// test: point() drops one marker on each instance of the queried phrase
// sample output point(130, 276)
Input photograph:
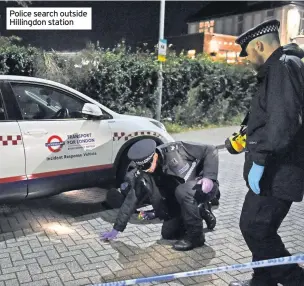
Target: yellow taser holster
point(236, 143)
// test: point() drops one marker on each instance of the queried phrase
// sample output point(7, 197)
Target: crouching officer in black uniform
point(180, 178)
point(274, 159)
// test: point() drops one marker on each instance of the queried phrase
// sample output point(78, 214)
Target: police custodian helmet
point(270, 26)
point(142, 152)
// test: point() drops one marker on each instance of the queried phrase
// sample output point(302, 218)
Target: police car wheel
point(125, 166)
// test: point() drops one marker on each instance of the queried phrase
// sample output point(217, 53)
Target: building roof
point(215, 9)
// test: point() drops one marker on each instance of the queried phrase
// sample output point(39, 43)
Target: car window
point(43, 102)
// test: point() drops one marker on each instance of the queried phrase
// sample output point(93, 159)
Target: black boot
point(207, 215)
point(188, 244)
point(215, 202)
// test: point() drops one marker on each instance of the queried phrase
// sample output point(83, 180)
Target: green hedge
point(195, 91)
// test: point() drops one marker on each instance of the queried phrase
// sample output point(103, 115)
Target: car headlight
point(159, 125)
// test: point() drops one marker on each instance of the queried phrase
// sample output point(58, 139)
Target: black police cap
point(270, 26)
point(142, 151)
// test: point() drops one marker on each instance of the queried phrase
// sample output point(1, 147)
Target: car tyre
point(124, 166)
point(114, 198)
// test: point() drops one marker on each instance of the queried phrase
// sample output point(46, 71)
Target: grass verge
point(174, 128)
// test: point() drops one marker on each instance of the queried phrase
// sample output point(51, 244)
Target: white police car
point(55, 139)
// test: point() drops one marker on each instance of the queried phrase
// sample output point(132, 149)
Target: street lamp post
point(160, 72)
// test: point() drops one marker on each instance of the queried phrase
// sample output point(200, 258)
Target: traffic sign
point(162, 50)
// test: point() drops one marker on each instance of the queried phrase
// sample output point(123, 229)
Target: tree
point(21, 2)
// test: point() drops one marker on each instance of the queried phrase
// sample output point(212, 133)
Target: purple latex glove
point(207, 185)
point(109, 235)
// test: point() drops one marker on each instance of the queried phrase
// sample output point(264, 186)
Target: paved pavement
point(54, 241)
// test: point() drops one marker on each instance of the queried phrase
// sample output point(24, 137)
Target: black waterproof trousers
point(260, 220)
point(187, 220)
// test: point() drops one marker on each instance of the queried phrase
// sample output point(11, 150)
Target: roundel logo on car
point(54, 143)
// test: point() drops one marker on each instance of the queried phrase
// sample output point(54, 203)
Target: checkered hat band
point(261, 32)
point(143, 162)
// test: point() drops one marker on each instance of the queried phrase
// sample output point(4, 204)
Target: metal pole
point(160, 72)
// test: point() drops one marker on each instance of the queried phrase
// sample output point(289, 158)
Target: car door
point(64, 151)
point(13, 180)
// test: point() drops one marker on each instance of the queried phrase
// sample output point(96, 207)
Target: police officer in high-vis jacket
point(180, 179)
point(274, 159)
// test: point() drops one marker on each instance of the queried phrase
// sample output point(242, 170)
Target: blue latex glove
point(109, 235)
point(254, 177)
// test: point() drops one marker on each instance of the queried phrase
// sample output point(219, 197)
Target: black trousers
point(187, 220)
point(260, 220)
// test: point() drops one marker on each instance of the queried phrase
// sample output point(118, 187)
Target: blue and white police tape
point(251, 265)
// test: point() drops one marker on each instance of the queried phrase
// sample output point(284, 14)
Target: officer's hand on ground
point(109, 235)
point(254, 177)
point(146, 215)
point(207, 185)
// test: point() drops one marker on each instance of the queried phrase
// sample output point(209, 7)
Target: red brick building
point(221, 22)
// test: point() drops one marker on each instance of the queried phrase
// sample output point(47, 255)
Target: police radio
point(236, 143)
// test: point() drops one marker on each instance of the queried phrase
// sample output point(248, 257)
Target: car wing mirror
point(90, 109)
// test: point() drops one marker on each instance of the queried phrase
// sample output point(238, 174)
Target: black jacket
point(141, 186)
point(160, 185)
point(185, 160)
point(275, 132)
